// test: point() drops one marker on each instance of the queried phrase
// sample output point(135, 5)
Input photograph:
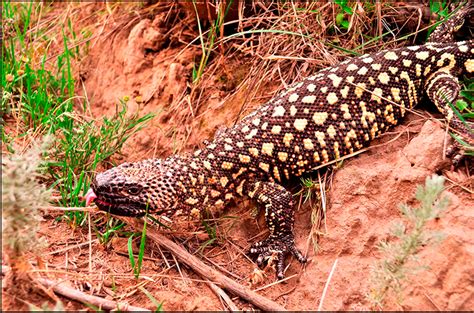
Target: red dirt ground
point(363, 201)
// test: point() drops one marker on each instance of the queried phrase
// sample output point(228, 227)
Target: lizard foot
point(456, 152)
point(282, 246)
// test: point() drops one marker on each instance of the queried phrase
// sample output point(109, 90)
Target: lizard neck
point(198, 185)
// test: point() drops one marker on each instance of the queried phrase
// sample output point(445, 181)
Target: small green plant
point(308, 188)
point(341, 21)
point(391, 273)
point(82, 147)
point(211, 230)
point(112, 227)
point(439, 7)
point(37, 94)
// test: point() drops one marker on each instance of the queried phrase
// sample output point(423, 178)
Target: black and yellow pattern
point(331, 114)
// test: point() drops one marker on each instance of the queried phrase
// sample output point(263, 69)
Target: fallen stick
point(71, 293)
point(204, 270)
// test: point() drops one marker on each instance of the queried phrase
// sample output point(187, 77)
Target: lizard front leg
point(279, 216)
point(445, 31)
point(443, 90)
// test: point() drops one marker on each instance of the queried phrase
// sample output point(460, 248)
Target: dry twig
point(71, 293)
point(221, 293)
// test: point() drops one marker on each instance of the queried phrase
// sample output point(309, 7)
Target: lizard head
point(132, 189)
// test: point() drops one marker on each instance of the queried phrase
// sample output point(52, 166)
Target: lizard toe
point(281, 246)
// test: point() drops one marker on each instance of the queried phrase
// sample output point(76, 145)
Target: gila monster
point(331, 114)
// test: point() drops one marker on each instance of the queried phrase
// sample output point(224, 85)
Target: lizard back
point(333, 113)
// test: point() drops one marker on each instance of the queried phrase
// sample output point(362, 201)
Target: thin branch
point(71, 293)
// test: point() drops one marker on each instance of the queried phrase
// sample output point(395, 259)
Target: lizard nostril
point(99, 179)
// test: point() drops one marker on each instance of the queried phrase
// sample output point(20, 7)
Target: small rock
point(426, 149)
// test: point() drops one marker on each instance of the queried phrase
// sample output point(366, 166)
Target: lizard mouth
point(121, 209)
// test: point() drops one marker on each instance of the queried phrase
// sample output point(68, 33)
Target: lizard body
point(333, 113)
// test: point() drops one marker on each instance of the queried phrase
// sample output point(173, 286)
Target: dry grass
point(284, 43)
point(270, 46)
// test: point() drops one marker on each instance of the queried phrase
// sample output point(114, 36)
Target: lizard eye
point(134, 190)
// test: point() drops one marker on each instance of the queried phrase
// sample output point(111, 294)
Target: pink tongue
point(90, 196)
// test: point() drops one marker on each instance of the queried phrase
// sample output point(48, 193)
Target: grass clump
point(390, 274)
point(216, 30)
point(314, 192)
point(137, 265)
point(39, 99)
point(22, 197)
point(82, 147)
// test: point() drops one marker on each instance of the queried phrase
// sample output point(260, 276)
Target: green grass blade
point(130, 251)
point(141, 252)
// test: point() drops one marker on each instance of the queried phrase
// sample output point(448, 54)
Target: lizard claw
point(282, 246)
point(264, 256)
point(456, 152)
